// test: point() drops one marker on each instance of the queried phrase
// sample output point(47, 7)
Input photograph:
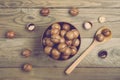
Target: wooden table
point(16, 14)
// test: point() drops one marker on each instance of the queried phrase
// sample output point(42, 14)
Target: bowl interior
point(56, 45)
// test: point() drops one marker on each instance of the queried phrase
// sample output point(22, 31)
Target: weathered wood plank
point(16, 14)
point(59, 3)
point(10, 54)
point(58, 74)
point(17, 19)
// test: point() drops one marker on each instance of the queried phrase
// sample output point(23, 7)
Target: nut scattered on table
point(63, 41)
point(31, 27)
point(102, 54)
point(74, 11)
point(26, 52)
point(27, 67)
point(101, 19)
point(45, 11)
point(10, 34)
point(87, 25)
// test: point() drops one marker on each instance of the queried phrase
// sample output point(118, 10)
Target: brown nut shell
point(67, 51)
point(68, 42)
point(66, 27)
point(76, 42)
point(76, 33)
point(62, 40)
point(74, 11)
point(55, 38)
point(44, 41)
point(48, 42)
point(26, 52)
point(48, 32)
point(27, 67)
point(99, 37)
point(106, 32)
point(55, 53)
point(54, 31)
point(63, 32)
point(65, 57)
point(44, 11)
point(70, 35)
point(10, 34)
point(56, 26)
point(47, 50)
point(73, 50)
point(56, 57)
point(61, 47)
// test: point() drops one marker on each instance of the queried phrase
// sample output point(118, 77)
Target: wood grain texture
point(17, 19)
point(59, 3)
point(16, 14)
point(10, 54)
point(58, 74)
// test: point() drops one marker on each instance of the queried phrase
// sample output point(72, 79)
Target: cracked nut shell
point(74, 11)
point(44, 11)
point(30, 27)
point(27, 67)
point(87, 25)
point(26, 52)
point(102, 54)
point(10, 34)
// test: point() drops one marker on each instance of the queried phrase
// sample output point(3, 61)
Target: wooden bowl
point(49, 49)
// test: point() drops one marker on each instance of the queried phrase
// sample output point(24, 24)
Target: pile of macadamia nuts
point(61, 41)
